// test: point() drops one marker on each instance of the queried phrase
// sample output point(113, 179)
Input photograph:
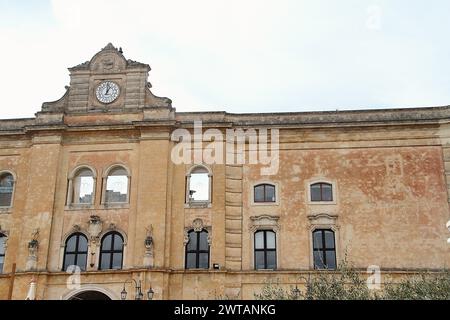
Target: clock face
point(107, 92)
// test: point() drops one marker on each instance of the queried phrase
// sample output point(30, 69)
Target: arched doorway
point(90, 295)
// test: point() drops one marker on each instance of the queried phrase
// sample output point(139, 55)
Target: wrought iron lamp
point(138, 287)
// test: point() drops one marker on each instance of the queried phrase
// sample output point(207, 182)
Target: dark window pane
point(81, 261)
point(317, 237)
point(271, 260)
point(270, 193)
point(191, 261)
point(6, 189)
point(259, 260)
point(204, 260)
point(318, 260)
point(117, 261)
point(118, 242)
point(204, 240)
point(69, 260)
point(192, 244)
point(329, 239)
point(259, 193)
point(331, 260)
point(106, 261)
point(270, 240)
point(315, 192)
point(259, 240)
point(82, 244)
point(327, 193)
point(2, 245)
point(107, 242)
point(71, 244)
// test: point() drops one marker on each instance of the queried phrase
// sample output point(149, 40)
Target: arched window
point(76, 251)
point(6, 189)
point(116, 186)
point(83, 186)
point(198, 184)
point(2, 251)
point(197, 250)
point(324, 248)
point(321, 191)
point(264, 193)
point(265, 250)
point(111, 252)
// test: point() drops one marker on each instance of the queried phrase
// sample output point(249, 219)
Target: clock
point(107, 92)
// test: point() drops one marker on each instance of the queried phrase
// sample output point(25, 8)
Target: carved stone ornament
point(264, 222)
point(33, 246)
point(197, 226)
point(323, 219)
point(95, 227)
point(149, 238)
point(148, 256)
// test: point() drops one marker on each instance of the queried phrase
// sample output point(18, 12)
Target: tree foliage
point(346, 283)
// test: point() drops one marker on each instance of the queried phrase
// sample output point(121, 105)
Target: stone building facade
point(90, 181)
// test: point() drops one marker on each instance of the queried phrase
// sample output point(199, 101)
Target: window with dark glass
point(117, 186)
point(83, 187)
point(111, 252)
point(6, 189)
point(265, 250)
point(321, 192)
point(2, 251)
point(264, 193)
point(197, 250)
point(76, 251)
point(324, 249)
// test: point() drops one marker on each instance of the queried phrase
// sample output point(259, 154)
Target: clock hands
point(108, 86)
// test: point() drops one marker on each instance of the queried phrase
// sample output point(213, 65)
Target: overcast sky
point(236, 56)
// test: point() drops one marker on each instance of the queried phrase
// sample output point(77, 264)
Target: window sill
point(265, 270)
point(5, 210)
point(265, 204)
point(107, 206)
point(78, 207)
point(197, 205)
point(322, 203)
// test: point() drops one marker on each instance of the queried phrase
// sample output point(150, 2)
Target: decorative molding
point(197, 226)
point(148, 256)
point(322, 219)
point(95, 228)
point(33, 247)
point(265, 222)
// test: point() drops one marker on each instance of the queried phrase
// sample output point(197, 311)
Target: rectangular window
point(265, 250)
point(324, 249)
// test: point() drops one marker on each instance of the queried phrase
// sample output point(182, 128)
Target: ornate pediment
point(263, 222)
point(108, 60)
point(91, 83)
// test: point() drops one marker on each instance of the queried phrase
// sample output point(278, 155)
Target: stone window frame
point(277, 193)
point(197, 226)
point(334, 190)
point(199, 203)
point(323, 221)
point(75, 229)
point(4, 234)
point(105, 182)
point(112, 228)
point(268, 223)
point(7, 209)
point(64, 243)
point(70, 190)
